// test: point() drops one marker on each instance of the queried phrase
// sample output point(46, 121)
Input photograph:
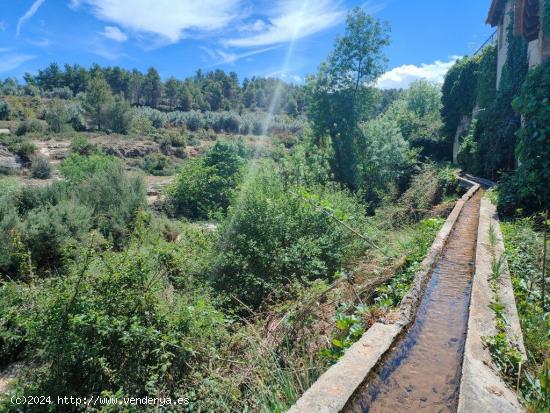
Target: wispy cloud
point(41, 43)
point(13, 61)
point(222, 57)
point(292, 19)
point(28, 15)
point(3, 25)
point(168, 19)
point(114, 33)
point(403, 76)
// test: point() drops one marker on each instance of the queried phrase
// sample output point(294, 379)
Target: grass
point(524, 249)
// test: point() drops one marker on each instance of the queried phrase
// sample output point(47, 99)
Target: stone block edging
point(331, 392)
point(481, 387)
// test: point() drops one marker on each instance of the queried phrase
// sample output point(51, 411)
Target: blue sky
point(282, 38)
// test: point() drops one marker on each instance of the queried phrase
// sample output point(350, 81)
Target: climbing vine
point(529, 187)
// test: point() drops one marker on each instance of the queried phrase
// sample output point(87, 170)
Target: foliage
point(340, 92)
point(41, 168)
point(459, 93)
point(205, 185)
point(532, 178)
point(109, 328)
point(82, 146)
point(384, 157)
point(119, 116)
point(32, 125)
point(158, 164)
point(277, 234)
point(351, 322)
point(5, 110)
point(57, 117)
point(47, 230)
point(98, 99)
point(78, 167)
point(523, 251)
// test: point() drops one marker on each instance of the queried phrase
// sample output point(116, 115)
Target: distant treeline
point(205, 91)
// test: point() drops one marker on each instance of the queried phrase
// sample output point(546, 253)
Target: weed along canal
point(422, 371)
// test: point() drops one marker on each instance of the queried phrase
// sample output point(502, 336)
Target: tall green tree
point(342, 89)
point(98, 98)
point(152, 87)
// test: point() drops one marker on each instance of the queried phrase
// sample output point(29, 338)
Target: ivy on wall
point(529, 187)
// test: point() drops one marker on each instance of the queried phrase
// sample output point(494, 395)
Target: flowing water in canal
point(422, 371)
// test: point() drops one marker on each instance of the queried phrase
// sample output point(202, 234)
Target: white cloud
point(255, 26)
point(168, 19)
point(3, 25)
point(114, 33)
point(293, 19)
point(223, 57)
point(41, 43)
point(403, 76)
point(34, 8)
point(13, 61)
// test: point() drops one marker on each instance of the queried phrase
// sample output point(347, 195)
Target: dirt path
point(422, 371)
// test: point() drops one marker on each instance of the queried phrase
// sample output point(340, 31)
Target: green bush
point(41, 168)
point(32, 125)
point(5, 110)
point(47, 230)
point(13, 299)
point(114, 197)
point(158, 164)
point(24, 149)
point(57, 117)
point(77, 167)
point(110, 327)
point(9, 220)
point(205, 185)
point(277, 234)
point(82, 146)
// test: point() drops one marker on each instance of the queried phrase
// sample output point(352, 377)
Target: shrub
point(41, 168)
point(47, 229)
point(59, 92)
point(277, 234)
point(57, 117)
point(113, 196)
point(5, 110)
point(32, 125)
point(158, 164)
point(82, 146)
point(76, 116)
point(25, 150)
point(9, 220)
point(108, 327)
point(205, 185)
point(77, 167)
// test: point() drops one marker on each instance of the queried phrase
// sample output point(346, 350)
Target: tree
point(152, 88)
point(119, 116)
point(341, 90)
point(98, 97)
point(383, 157)
point(172, 90)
